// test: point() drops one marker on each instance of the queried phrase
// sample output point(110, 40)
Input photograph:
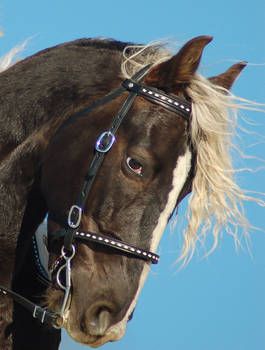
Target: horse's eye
point(134, 165)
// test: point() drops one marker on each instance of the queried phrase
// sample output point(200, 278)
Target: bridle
point(72, 232)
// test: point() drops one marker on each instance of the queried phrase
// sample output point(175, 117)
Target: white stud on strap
point(116, 244)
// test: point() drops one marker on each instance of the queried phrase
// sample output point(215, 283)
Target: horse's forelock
point(136, 57)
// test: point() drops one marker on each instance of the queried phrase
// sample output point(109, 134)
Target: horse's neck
point(51, 85)
point(17, 175)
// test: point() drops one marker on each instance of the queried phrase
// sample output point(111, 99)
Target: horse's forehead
point(155, 128)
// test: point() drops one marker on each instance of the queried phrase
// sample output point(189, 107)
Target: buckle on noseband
point(105, 142)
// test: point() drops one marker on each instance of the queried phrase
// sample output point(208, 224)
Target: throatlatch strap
point(106, 99)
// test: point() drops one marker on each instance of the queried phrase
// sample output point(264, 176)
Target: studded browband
point(173, 103)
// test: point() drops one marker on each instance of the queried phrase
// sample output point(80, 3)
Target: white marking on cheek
point(180, 174)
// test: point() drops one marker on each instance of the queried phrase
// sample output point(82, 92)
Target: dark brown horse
point(161, 153)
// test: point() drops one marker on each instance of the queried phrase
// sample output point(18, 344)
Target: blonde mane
point(216, 201)
point(136, 57)
point(11, 57)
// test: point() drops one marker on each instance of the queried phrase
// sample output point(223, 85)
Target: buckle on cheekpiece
point(105, 142)
point(74, 216)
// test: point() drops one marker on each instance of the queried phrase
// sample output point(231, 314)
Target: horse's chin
point(114, 333)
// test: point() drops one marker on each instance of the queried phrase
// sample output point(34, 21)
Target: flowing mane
point(8, 59)
point(216, 201)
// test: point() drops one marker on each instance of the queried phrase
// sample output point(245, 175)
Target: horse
point(106, 138)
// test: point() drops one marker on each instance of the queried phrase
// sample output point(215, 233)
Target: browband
point(173, 103)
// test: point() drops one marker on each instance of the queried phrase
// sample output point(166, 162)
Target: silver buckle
point(43, 313)
point(67, 287)
point(105, 142)
point(71, 222)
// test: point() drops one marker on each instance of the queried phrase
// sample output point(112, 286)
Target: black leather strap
point(99, 156)
point(37, 311)
point(106, 99)
point(173, 103)
point(110, 242)
point(42, 275)
point(91, 108)
point(118, 245)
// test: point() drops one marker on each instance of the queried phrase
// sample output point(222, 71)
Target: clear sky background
point(215, 303)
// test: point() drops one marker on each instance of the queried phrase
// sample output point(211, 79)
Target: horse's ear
point(179, 69)
point(228, 78)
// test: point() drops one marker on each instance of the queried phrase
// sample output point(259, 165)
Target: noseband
point(72, 232)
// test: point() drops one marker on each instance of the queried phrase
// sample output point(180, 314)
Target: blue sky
point(215, 303)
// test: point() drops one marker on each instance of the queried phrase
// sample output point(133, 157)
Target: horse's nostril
point(98, 321)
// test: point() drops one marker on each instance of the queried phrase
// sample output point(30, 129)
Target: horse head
point(143, 177)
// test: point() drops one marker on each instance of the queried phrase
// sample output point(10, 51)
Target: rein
point(103, 144)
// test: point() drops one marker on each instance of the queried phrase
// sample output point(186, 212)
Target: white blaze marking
point(180, 175)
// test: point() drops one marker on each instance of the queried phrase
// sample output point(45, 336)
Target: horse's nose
point(97, 320)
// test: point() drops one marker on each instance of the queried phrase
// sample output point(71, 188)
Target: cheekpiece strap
point(102, 146)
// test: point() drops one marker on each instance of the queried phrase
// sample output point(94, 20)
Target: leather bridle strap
point(112, 243)
point(172, 103)
point(41, 314)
